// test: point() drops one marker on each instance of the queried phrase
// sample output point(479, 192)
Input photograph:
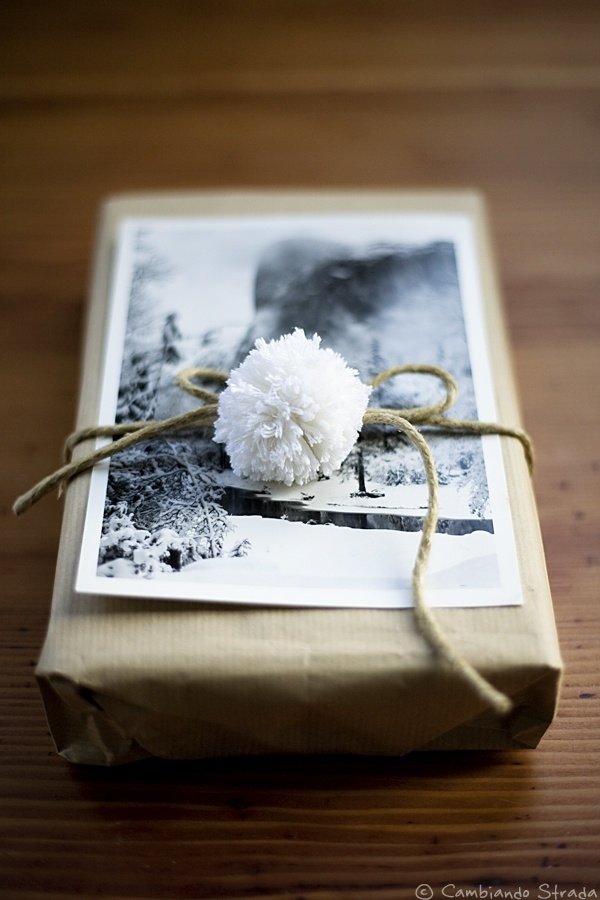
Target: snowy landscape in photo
point(168, 518)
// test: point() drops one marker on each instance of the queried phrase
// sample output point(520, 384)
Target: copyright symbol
point(424, 892)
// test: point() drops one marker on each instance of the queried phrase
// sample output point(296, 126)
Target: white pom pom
point(290, 411)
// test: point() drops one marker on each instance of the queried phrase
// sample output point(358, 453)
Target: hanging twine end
point(26, 501)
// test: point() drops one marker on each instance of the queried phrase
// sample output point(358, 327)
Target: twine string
point(432, 416)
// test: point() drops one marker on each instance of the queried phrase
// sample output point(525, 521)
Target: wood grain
point(100, 97)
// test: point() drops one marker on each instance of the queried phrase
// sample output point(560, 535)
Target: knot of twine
point(432, 416)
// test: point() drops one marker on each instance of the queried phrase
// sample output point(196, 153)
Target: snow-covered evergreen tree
point(151, 341)
point(126, 549)
point(171, 499)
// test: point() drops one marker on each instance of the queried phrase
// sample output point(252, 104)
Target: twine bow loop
point(420, 414)
point(184, 380)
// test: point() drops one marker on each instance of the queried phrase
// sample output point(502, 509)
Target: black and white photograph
point(168, 518)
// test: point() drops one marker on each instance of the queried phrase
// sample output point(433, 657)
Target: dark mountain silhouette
point(328, 288)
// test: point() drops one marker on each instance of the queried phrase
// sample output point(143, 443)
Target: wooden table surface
point(100, 97)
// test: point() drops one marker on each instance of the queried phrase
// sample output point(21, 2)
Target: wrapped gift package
point(128, 677)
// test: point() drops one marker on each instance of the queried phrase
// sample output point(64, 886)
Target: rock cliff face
point(378, 306)
point(360, 302)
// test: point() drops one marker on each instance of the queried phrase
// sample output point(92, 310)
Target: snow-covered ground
point(326, 565)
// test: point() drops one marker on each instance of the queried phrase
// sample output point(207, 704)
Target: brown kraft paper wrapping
point(127, 678)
